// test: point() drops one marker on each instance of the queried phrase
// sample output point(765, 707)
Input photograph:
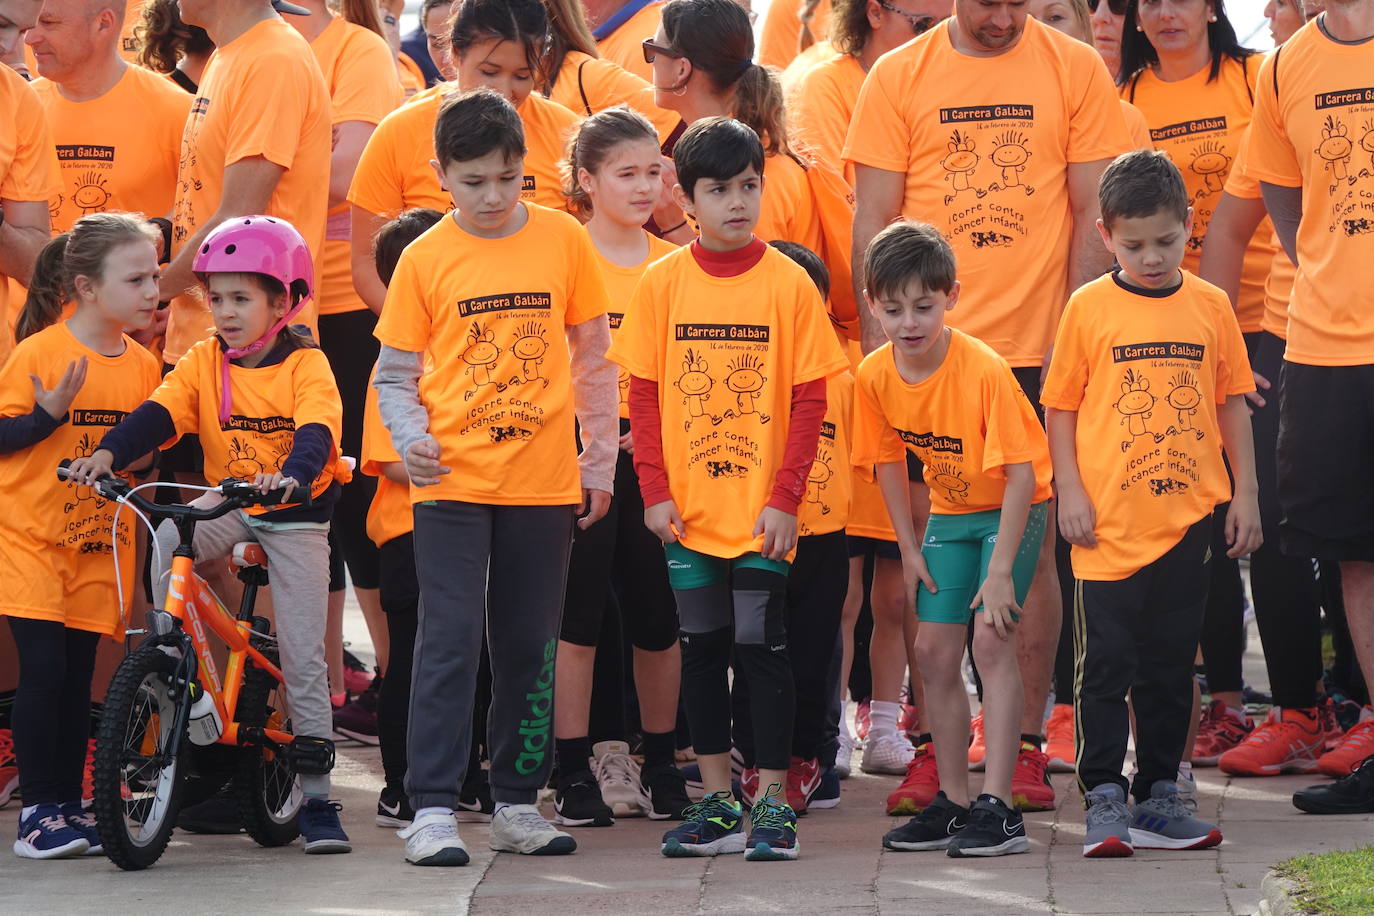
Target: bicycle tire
point(265, 786)
point(139, 696)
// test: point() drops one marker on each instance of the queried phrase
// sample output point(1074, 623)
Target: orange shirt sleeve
point(820, 111)
point(1006, 440)
point(1269, 150)
point(1233, 361)
point(405, 322)
point(179, 392)
point(1096, 128)
point(275, 138)
point(28, 160)
point(634, 346)
point(878, 133)
point(587, 297)
point(375, 186)
point(875, 441)
point(1068, 376)
point(317, 394)
point(607, 84)
point(363, 90)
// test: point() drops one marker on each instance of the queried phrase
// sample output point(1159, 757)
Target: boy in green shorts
point(953, 402)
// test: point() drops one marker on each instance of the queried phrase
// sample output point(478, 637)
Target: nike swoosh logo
point(1008, 832)
point(954, 826)
point(392, 810)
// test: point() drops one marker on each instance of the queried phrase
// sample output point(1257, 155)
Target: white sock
point(844, 723)
point(27, 812)
point(882, 718)
point(445, 812)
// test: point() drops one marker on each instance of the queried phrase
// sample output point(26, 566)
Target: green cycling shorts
point(957, 549)
point(689, 569)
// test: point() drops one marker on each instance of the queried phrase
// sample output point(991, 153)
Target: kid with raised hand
point(65, 383)
point(262, 398)
point(954, 403)
point(728, 347)
point(1146, 386)
point(494, 328)
point(613, 174)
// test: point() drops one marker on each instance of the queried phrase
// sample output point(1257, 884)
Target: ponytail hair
point(363, 13)
point(592, 144)
point(163, 38)
point(80, 252)
point(717, 37)
point(568, 31)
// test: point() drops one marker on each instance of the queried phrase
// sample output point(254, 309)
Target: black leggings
point(346, 338)
point(51, 717)
point(1223, 622)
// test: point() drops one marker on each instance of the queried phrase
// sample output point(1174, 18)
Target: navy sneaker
point(772, 829)
point(827, 794)
point(45, 834)
point(83, 822)
point(711, 827)
point(319, 823)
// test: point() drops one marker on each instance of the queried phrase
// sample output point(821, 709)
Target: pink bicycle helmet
point(258, 245)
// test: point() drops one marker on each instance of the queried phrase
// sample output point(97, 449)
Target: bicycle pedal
point(310, 756)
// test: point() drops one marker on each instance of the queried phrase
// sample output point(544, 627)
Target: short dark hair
point(717, 149)
point(393, 238)
point(810, 261)
point(475, 123)
point(908, 250)
point(524, 22)
point(1142, 183)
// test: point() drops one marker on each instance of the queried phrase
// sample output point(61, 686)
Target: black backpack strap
point(581, 89)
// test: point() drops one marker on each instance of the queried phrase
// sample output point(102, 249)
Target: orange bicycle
point(168, 711)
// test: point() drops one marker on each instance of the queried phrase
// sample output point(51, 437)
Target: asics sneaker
point(1030, 781)
point(1357, 744)
point(1108, 822)
point(320, 827)
point(993, 830)
point(432, 839)
point(1220, 730)
point(619, 778)
point(921, 784)
point(886, 754)
point(977, 744)
point(665, 792)
point(578, 803)
point(393, 808)
point(45, 834)
point(1287, 741)
point(522, 829)
point(1059, 739)
point(772, 830)
point(1351, 794)
point(1164, 822)
point(83, 822)
point(933, 828)
point(710, 827)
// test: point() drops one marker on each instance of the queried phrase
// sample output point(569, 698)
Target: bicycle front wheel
point(268, 791)
point(137, 781)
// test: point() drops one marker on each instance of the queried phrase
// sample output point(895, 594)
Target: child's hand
point(627, 442)
point(422, 462)
point(664, 521)
point(1077, 519)
point(265, 483)
point(91, 468)
point(916, 573)
point(593, 507)
point(1243, 531)
point(58, 401)
point(779, 530)
point(1254, 397)
point(997, 595)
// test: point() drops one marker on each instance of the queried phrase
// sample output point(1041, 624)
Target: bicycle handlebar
point(237, 494)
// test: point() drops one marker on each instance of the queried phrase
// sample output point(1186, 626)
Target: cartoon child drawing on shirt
point(1335, 147)
point(746, 379)
point(1211, 162)
point(816, 480)
point(481, 355)
point(243, 459)
point(695, 385)
point(959, 164)
point(530, 347)
point(1010, 156)
point(950, 478)
point(1136, 405)
point(1184, 397)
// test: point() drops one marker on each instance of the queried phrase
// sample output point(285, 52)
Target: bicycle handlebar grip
point(108, 486)
point(247, 494)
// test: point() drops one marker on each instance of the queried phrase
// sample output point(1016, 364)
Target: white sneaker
point(432, 839)
point(618, 775)
point(844, 757)
point(522, 829)
point(886, 754)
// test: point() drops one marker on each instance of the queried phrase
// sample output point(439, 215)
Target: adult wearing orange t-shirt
point(996, 129)
point(1309, 147)
point(257, 142)
point(791, 27)
point(619, 27)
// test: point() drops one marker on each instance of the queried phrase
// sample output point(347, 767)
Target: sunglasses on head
point(652, 50)
point(1118, 7)
point(919, 24)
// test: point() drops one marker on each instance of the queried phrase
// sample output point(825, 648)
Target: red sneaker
point(1221, 729)
point(1357, 744)
point(977, 745)
point(88, 775)
point(9, 767)
point(920, 785)
point(803, 776)
point(1288, 741)
point(1059, 739)
point(1030, 781)
point(861, 720)
point(1331, 726)
point(749, 786)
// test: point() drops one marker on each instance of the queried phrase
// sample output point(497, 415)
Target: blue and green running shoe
point(711, 827)
point(772, 829)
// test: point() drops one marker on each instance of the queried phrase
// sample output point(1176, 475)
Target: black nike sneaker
point(994, 829)
point(933, 828)
point(393, 808)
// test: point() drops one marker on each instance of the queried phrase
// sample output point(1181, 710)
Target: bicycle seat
point(249, 553)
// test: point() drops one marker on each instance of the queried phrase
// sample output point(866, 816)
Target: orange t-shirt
point(395, 174)
point(1278, 285)
point(801, 64)
point(985, 145)
point(821, 105)
point(829, 484)
point(491, 314)
point(1314, 129)
point(1136, 126)
point(781, 33)
point(624, 46)
point(586, 85)
point(1201, 124)
point(620, 287)
point(389, 514)
point(128, 41)
point(359, 71)
point(867, 512)
point(412, 77)
point(1145, 375)
point(726, 353)
point(261, 95)
point(966, 422)
point(269, 404)
point(55, 537)
point(117, 152)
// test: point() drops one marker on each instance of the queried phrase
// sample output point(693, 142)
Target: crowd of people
point(660, 392)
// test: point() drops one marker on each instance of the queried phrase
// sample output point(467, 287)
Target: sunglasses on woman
point(1118, 7)
point(920, 24)
point(652, 50)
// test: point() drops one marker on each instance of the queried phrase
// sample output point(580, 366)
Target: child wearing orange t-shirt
point(728, 347)
point(953, 402)
point(66, 383)
point(1147, 381)
point(493, 331)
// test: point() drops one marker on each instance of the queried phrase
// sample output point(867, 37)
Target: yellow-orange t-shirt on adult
point(55, 538)
point(360, 73)
point(1278, 285)
point(625, 44)
point(1136, 126)
point(412, 77)
point(490, 315)
point(1200, 123)
point(1314, 129)
point(821, 105)
point(787, 79)
point(725, 353)
point(1145, 374)
point(780, 38)
point(966, 422)
point(985, 146)
point(395, 174)
point(586, 85)
point(117, 152)
point(620, 287)
point(269, 404)
point(262, 94)
point(389, 515)
point(829, 484)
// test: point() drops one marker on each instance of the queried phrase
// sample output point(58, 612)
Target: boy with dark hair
point(954, 403)
point(1145, 388)
point(728, 348)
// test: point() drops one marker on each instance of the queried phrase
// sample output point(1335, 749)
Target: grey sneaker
point(1164, 822)
point(1109, 823)
point(522, 829)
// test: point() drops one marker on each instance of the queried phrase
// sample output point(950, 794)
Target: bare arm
point(1228, 235)
point(1088, 257)
point(349, 139)
point(248, 186)
point(1243, 529)
point(365, 225)
point(25, 231)
point(878, 194)
point(394, 471)
point(1077, 518)
point(1285, 210)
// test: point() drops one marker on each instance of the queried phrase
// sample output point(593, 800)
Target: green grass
point(1334, 882)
